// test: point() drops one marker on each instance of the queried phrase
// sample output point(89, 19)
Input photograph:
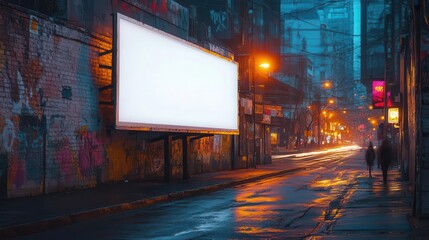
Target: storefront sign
point(393, 115)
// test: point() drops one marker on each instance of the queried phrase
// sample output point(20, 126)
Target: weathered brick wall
point(54, 134)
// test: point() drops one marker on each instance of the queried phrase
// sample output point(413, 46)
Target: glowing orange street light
point(324, 85)
point(327, 85)
point(264, 65)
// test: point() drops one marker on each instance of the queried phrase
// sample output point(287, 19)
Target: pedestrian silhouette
point(369, 157)
point(385, 155)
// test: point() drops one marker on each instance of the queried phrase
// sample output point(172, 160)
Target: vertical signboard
point(393, 115)
point(378, 94)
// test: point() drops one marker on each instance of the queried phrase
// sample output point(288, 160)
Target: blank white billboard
point(164, 83)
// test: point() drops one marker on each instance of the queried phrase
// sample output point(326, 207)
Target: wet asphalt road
point(323, 201)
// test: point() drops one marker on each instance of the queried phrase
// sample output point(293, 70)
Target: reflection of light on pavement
point(254, 213)
point(250, 219)
point(207, 222)
point(329, 183)
point(249, 207)
point(254, 207)
point(258, 230)
point(340, 149)
point(338, 192)
point(260, 199)
point(323, 200)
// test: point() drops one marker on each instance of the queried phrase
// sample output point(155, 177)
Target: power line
point(344, 49)
point(323, 4)
point(318, 27)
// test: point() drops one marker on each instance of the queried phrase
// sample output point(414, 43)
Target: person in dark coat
point(385, 155)
point(369, 157)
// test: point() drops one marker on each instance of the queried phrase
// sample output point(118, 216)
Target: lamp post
point(253, 65)
point(263, 66)
point(318, 120)
point(254, 107)
point(325, 85)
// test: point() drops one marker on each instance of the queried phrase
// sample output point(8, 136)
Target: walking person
point(385, 155)
point(369, 157)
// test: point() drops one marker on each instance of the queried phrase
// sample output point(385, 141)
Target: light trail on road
point(340, 149)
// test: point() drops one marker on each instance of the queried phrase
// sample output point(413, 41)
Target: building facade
point(57, 116)
point(321, 35)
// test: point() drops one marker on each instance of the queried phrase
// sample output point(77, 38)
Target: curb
point(419, 226)
point(62, 221)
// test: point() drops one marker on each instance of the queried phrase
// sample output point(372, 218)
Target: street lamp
point(264, 66)
point(326, 85)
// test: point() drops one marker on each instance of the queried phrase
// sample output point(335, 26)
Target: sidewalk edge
point(62, 221)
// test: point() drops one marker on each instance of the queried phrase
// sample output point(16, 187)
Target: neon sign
point(378, 94)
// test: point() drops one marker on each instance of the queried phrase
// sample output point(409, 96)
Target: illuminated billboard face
point(164, 83)
point(378, 94)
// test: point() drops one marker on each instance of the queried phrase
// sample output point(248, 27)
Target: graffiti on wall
point(220, 22)
point(7, 139)
point(22, 115)
point(7, 136)
point(224, 152)
point(156, 159)
point(25, 112)
point(201, 154)
point(90, 151)
point(134, 158)
point(59, 137)
point(176, 159)
point(166, 9)
point(30, 149)
point(210, 154)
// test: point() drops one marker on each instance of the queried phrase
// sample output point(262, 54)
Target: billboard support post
point(186, 156)
point(167, 157)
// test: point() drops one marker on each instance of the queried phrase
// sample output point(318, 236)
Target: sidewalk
point(23, 216)
point(33, 214)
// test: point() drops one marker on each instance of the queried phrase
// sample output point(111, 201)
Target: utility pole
point(364, 47)
point(389, 57)
point(252, 74)
point(387, 68)
point(385, 102)
point(319, 105)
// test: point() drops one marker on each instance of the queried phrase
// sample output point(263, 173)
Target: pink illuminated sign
point(378, 94)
